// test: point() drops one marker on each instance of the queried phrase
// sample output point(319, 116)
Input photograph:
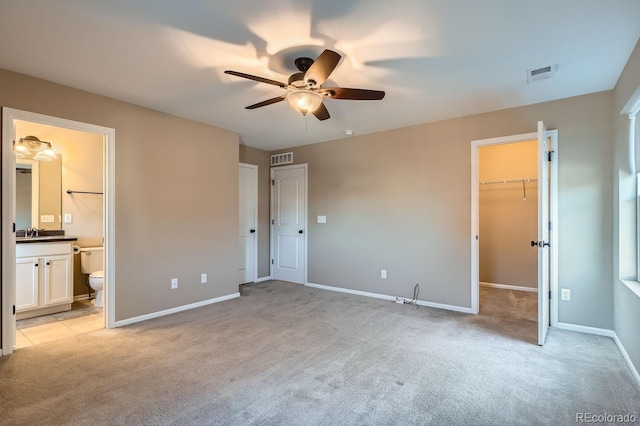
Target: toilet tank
point(91, 259)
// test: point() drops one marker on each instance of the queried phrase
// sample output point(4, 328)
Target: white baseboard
point(387, 297)
point(259, 280)
point(81, 297)
point(174, 310)
point(625, 355)
point(606, 333)
point(446, 307)
point(585, 329)
point(510, 287)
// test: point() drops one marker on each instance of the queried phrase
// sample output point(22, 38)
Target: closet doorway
point(514, 240)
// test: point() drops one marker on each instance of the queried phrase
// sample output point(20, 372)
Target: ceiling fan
point(305, 87)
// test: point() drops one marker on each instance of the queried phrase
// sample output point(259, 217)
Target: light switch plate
point(68, 218)
point(565, 294)
point(322, 219)
point(47, 218)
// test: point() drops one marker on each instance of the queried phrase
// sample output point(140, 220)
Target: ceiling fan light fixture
point(304, 101)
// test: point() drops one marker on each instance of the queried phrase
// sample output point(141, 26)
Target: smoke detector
point(541, 73)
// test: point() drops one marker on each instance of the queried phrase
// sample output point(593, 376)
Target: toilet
point(91, 263)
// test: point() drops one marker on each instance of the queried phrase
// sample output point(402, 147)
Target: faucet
point(31, 232)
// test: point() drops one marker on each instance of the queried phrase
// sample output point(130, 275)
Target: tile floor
point(82, 317)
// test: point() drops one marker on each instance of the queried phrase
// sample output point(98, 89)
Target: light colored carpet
point(291, 355)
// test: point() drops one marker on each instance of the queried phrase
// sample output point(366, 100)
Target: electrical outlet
point(174, 283)
point(203, 278)
point(383, 274)
point(565, 294)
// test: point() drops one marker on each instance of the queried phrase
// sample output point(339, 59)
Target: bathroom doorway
point(84, 210)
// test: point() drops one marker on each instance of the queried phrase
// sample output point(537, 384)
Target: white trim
point(606, 333)
point(510, 287)
point(625, 355)
point(255, 215)
point(259, 280)
point(553, 233)
point(9, 115)
point(8, 240)
point(305, 166)
point(175, 310)
point(387, 297)
point(585, 329)
point(81, 297)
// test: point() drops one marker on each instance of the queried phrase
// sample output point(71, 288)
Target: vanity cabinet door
point(57, 280)
point(27, 277)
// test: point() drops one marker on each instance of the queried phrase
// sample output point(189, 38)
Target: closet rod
point(493, 182)
point(83, 192)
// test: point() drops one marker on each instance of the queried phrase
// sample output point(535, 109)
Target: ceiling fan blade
point(353, 94)
point(322, 67)
point(255, 78)
point(321, 113)
point(267, 102)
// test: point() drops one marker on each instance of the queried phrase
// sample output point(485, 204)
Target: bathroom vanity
point(44, 275)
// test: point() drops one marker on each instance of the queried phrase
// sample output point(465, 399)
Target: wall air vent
point(541, 73)
point(280, 159)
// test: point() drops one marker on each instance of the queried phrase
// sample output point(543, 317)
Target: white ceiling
point(435, 59)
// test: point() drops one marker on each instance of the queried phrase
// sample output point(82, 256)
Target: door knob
point(252, 231)
point(300, 231)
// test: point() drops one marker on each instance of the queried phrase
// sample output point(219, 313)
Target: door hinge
point(549, 294)
point(14, 309)
point(549, 225)
point(273, 182)
point(272, 261)
point(273, 222)
point(14, 227)
point(549, 155)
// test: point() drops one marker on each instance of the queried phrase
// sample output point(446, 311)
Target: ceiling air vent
point(280, 159)
point(541, 73)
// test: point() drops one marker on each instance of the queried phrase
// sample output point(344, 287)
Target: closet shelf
point(493, 182)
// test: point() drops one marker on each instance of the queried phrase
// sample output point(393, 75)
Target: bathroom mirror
point(39, 194)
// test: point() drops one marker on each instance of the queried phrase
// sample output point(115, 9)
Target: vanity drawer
point(44, 249)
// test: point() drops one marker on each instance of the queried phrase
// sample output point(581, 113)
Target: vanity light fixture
point(32, 146)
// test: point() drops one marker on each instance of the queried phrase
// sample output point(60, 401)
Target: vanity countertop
point(47, 239)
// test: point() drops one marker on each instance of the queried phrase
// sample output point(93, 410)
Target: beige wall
point(176, 204)
point(508, 221)
point(626, 300)
point(400, 200)
point(261, 159)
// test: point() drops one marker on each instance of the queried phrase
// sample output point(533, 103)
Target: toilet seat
point(97, 274)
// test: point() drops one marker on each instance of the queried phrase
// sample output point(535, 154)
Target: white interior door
point(543, 233)
point(248, 210)
point(288, 223)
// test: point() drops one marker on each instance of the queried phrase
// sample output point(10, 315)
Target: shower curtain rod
point(493, 182)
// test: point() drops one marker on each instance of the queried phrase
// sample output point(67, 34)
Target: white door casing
point(9, 116)
point(543, 233)
point(248, 223)
point(550, 283)
point(289, 223)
